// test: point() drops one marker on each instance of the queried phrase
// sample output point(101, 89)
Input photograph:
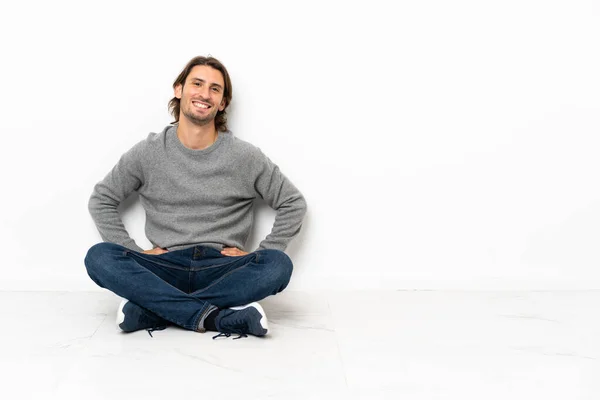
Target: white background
point(439, 145)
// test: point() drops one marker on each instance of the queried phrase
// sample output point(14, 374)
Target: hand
point(156, 251)
point(233, 252)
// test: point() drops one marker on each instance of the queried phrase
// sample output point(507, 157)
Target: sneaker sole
point(120, 314)
point(263, 321)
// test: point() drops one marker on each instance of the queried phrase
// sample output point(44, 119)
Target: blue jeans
point(183, 286)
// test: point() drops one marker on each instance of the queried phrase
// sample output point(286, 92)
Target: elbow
point(97, 202)
point(93, 206)
point(302, 205)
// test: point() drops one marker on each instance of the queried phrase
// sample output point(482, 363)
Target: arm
point(119, 183)
point(285, 198)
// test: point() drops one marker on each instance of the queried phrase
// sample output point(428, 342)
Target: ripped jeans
point(184, 286)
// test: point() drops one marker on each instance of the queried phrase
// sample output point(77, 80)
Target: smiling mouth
point(200, 105)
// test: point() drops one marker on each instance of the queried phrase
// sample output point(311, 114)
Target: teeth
point(200, 105)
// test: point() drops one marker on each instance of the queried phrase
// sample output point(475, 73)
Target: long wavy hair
point(221, 117)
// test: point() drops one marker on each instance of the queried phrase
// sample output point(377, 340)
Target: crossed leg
point(183, 286)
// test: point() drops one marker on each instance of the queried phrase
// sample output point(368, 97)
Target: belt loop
point(198, 253)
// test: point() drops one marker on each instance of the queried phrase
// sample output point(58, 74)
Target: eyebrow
point(212, 84)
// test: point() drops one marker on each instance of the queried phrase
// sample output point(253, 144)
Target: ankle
point(210, 320)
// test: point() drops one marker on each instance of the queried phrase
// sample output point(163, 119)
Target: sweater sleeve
point(279, 193)
point(125, 178)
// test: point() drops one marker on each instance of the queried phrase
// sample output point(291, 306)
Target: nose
point(205, 92)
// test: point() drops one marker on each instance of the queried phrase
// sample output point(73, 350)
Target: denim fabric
point(182, 286)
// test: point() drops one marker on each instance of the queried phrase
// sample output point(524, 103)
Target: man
point(197, 183)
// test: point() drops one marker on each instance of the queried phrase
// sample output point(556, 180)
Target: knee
point(279, 268)
point(101, 256)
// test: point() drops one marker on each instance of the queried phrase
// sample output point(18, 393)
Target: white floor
point(350, 345)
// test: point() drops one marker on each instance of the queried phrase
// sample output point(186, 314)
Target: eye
point(216, 89)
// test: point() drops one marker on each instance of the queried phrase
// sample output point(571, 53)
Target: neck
point(196, 137)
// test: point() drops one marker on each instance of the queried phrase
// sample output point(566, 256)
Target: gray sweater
point(197, 197)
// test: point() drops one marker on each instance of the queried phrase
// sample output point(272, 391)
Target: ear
point(178, 90)
point(222, 105)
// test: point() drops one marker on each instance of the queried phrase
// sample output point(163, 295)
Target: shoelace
point(236, 322)
point(241, 335)
point(156, 328)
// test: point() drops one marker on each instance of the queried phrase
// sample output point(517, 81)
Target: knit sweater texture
point(197, 197)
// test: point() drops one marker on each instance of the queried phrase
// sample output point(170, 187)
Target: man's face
point(201, 97)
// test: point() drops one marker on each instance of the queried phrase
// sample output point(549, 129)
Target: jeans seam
point(162, 264)
point(207, 267)
point(219, 280)
point(196, 269)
